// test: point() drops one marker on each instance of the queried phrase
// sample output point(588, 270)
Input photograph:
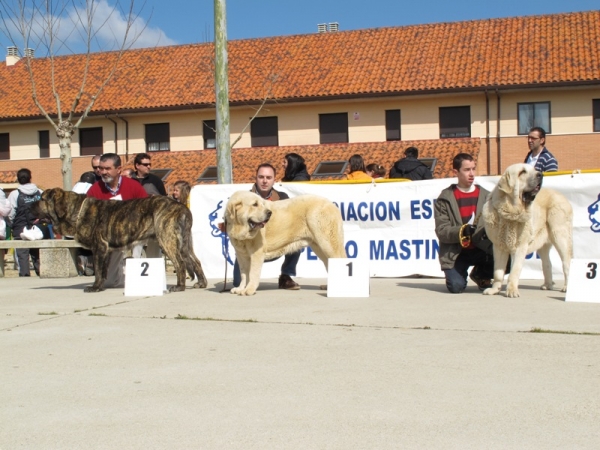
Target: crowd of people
point(462, 240)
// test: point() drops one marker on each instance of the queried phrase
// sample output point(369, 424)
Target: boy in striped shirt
point(461, 235)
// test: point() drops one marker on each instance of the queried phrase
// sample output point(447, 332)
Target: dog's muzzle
point(529, 196)
point(254, 225)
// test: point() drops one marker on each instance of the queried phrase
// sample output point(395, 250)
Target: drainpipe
point(116, 135)
point(487, 132)
point(498, 136)
point(126, 137)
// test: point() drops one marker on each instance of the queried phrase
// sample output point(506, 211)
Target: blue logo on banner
point(216, 232)
point(594, 212)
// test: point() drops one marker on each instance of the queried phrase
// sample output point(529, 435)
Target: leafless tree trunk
point(49, 26)
point(224, 169)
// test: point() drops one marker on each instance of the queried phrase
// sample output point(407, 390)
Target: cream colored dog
point(521, 218)
point(261, 230)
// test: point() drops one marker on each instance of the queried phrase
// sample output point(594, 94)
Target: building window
point(455, 122)
point(158, 137)
point(333, 128)
point(4, 146)
point(209, 132)
point(330, 169)
point(392, 125)
point(44, 142)
point(209, 174)
point(264, 132)
point(533, 115)
point(91, 141)
point(596, 114)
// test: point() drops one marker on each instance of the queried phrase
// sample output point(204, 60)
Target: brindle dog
point(106, 225)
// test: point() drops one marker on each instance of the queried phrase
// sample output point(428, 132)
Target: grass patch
point(97, 314)
point(79, 310)
point(51, 313)
point(184, 317)
point(581, 333)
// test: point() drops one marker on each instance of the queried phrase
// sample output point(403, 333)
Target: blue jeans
point(287, 268)
point(456, 278)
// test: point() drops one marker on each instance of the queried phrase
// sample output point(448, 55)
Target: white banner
point(391, 224)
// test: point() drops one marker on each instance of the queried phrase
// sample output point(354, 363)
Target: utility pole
point(224, 170)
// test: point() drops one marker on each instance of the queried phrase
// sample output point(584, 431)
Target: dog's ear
point(506, 183)
point(231, 210)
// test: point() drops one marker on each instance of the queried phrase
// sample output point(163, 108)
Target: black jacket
point(410, 168)
point(157, 182)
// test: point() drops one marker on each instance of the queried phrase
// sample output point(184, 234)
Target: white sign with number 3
point(145, 276)
point(584, 281)
point(348, 278)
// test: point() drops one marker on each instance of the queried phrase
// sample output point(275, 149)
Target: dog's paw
point(201, 284)
point(512, 292)
point(547, 286)
point(236, 291)
point(92, 289)
point(177, 288)
point(491, 291)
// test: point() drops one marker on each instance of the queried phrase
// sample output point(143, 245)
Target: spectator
point(96, 166)
point(86, 180)
point(181, 192)
point(265, 178)
point(294, 168)
point(129, 173)
point(357, 169)
point(375, 171)
point(410, 167)
point(538, 156)
point(142, 166)
point(4, 212)
point(113, 186)
point(20, 218)
point(461, 235)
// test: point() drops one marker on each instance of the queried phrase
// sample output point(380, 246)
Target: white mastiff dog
point(261, 230)
point(521, 218)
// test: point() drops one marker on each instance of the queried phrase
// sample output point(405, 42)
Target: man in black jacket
point(410, 167)
point(142, 167)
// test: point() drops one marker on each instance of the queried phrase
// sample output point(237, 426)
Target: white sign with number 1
point(145, 276)
point(348, 278)
point(584, 281)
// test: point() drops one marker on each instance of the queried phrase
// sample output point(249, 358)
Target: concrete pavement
point(410, 367)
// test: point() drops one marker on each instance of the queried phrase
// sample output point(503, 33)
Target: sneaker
point(482, 283)
point(286, 282)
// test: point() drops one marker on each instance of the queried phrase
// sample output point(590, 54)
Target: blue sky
point(191, 21)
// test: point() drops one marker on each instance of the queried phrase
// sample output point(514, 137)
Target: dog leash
point(223, 227)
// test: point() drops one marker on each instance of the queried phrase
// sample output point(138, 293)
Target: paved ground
point(411, 367)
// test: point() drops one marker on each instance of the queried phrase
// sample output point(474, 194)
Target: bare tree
point(53, 26)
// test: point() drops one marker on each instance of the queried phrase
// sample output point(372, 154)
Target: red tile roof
point(509, 52)
point(188, 166)
point(8, 176)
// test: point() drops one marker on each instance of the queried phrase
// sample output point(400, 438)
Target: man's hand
point(469, 230)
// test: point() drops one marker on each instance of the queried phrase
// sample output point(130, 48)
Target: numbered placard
point(584, 281)
point(145, 276)
point(348, 278)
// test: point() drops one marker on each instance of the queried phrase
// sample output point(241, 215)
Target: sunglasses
point(95, 167)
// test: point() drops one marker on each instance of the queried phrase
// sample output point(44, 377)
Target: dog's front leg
point(500, 261)
point(256, 262)
point(518, 257)
point(244, 263)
